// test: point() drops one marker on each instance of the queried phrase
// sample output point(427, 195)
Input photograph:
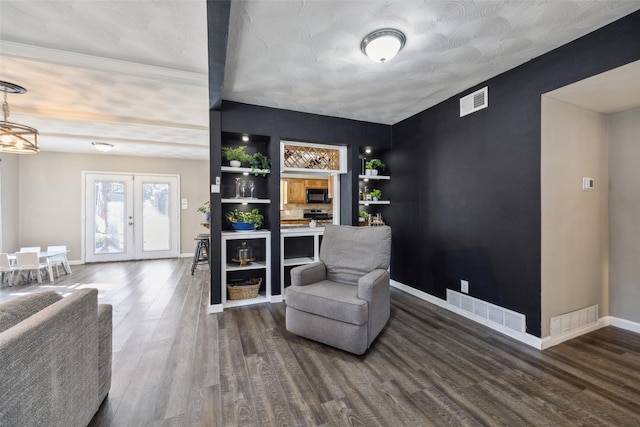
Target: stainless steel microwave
point(318, 195)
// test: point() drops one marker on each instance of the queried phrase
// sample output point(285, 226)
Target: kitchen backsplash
point(294, 210)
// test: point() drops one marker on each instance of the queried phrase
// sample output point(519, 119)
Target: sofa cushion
point(16, 310)
point(351, 252)
point(329, 299)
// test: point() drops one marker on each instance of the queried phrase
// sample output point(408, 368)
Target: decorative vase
point(243, 226)
point(207, 217)
point(235, 163)
point(368, 172)
point(374, 172)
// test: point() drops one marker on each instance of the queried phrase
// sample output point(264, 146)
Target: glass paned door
point(109, 209)
point(156, 216)
point(131, 217)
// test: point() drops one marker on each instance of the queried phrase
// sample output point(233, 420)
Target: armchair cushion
point(352, 252)
point(329, 299)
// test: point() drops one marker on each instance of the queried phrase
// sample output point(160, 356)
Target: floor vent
point(574, 321)
point(474, 101)
point(491, 313)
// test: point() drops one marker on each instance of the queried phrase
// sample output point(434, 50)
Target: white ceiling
point(134, 73)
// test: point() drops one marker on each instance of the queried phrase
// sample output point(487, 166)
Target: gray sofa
point(343, 300)
point(55, 358)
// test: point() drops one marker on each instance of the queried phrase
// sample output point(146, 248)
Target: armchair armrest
point(374, 288)
point(372, 284)
point(307, 274)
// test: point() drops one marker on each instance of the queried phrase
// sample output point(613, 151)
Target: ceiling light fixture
point(102, 146)
point(382, 45)
point(16, 138)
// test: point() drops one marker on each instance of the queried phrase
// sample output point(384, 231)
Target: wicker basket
point(244, 289)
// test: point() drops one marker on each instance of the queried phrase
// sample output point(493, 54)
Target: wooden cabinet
point(296, 191)
point(317, 183)
point(296, 188)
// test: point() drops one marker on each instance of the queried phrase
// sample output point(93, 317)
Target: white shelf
point(374, 177)
point(288, 262)
point(232, 235)
point(249, 301)
point(255, 265)
point(371, 202)
point(229, 169)
point(246, 200)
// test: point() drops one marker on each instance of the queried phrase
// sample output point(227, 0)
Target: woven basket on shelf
point(244, 289)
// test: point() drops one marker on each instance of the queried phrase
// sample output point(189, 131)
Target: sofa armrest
point(105, 344)
point(307, 274)
point(373, 287)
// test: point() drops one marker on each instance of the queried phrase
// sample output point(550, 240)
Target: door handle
point(130, 222)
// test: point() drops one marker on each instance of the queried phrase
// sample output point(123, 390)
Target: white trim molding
point(624, 324)
point(215, 308)
point(525, 338)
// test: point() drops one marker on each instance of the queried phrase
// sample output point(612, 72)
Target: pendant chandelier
point(14, 137)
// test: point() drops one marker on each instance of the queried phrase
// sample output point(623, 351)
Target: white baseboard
point(624, 324)
point(531, 340)
point(550, 341)
point(525, 338)
point(215, 308)
point(186, 255)
point(276, 298)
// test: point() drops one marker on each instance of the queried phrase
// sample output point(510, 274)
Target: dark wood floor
point(176, 365)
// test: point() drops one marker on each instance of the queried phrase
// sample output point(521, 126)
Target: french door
point(131, 216)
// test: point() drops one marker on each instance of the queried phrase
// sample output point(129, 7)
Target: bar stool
point(201, 255)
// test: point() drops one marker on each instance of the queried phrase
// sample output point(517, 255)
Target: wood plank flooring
point(176, 365)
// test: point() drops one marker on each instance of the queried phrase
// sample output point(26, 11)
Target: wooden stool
point(201, 255)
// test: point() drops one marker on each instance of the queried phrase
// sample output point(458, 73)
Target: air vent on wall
point(474, 101)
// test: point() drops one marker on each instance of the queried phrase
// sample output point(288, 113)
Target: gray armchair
point(343, 300)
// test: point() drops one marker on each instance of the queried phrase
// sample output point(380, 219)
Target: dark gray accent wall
point(466, 191)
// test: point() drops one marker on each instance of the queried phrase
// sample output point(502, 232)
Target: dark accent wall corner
point(466, 190)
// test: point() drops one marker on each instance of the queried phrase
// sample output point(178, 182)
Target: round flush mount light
point(102, 146)
point(382, 45)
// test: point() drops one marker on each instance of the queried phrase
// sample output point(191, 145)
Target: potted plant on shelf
point(372, 166)
point(376, 194)
point(206, 210)
point(236, 155)
point(260, 162)
point(245, 221)
point(363, 216)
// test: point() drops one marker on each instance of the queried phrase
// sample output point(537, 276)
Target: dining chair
point(29, 262)
point(59, 260)
point(6, 268)
point(30, 249)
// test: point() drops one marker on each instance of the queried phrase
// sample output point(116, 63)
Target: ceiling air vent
point(474, 101)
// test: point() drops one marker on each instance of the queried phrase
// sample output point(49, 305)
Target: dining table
point(47, 255)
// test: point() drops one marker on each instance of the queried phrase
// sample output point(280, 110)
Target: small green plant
point(252, 217)
point(205, 208)
point(237, 153)
point(364, 215)
point(376, 194)
point(259, 162)
point(375, 164)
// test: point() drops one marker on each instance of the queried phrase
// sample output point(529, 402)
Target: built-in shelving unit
point(374, 177)
point(260, 240)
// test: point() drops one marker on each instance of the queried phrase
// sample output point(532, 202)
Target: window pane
point(156, 225)
point(110, 221)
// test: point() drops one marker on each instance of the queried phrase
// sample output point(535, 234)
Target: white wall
point(574, 223)
point(624, 214)
point(9, 202)
point(50, 186)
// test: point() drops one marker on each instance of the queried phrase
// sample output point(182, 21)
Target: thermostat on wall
point(587, 183)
